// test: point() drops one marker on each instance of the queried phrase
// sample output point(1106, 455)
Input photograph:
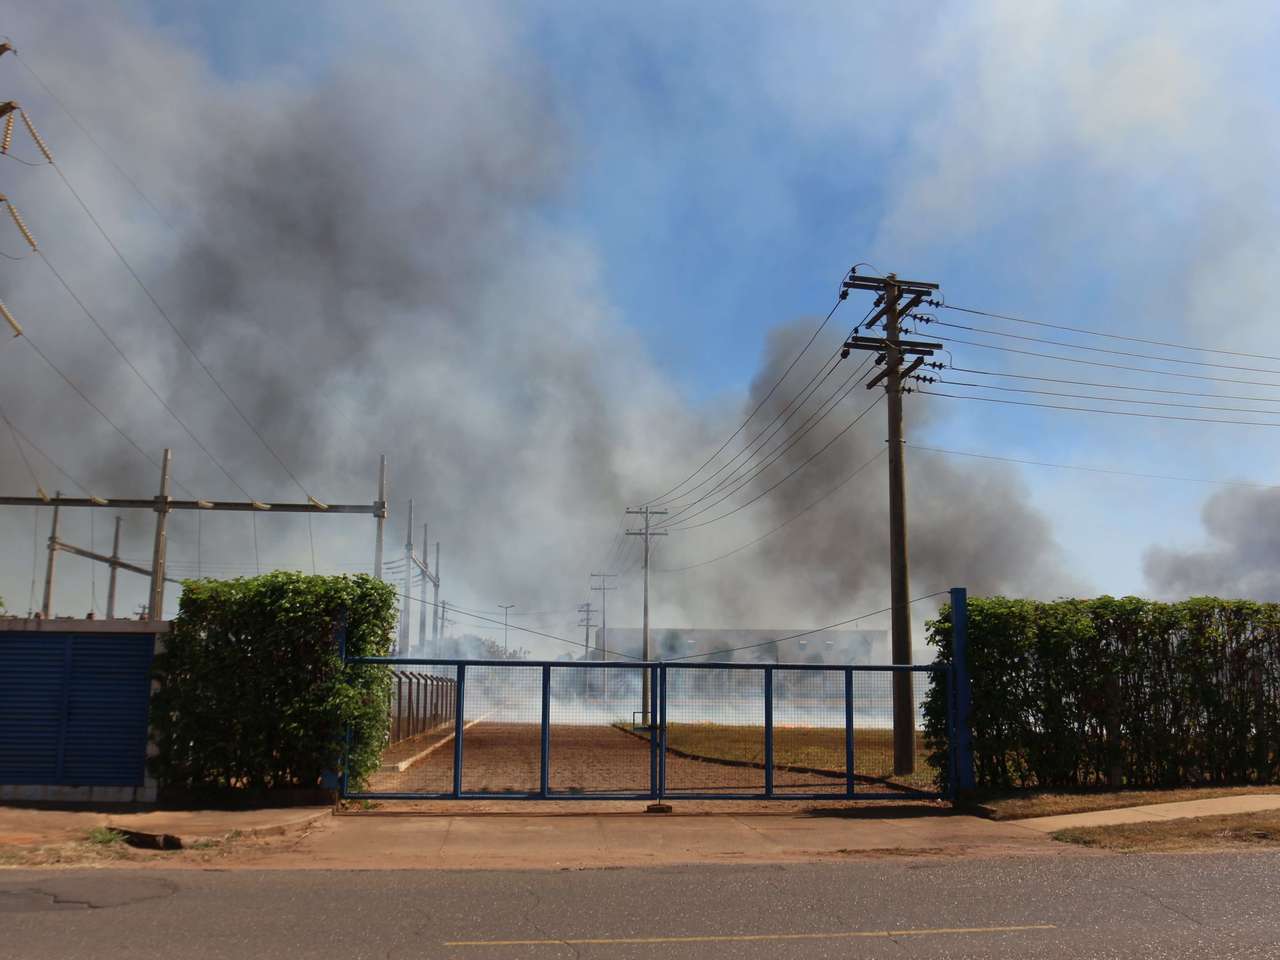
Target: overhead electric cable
point(1112, 386)
point(1114, 413)
point(1087, 396)
point(1084, 469)
point(801, 465)
point(1112, 366)
point(756, 409)
point(804, 633)
point(1115, 353)
point(851, 382)
point(795, 516)
point(1111, 336)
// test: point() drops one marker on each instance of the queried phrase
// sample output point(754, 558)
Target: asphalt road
point(1199, 906)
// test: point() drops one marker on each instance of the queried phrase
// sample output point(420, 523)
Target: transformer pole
point(435, 605)
point(46, 606)
point(155, 606)
point(422, 597)
point(403, 646)
point(380, 516)
point(115, 558)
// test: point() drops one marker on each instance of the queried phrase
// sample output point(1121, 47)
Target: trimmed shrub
point(1123, 692)
point(253, 693)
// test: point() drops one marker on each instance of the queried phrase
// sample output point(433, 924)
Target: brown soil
point(1051, 804)
point(505, 757)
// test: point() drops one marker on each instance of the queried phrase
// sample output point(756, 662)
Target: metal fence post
point(459, 710)
point(344, 783)
point(768, 731)
point(962, 685)
point(545, 774)
point(662, 732)
point(848, 730)
point(652, 675)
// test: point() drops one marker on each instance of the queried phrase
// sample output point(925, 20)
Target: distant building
point(749, 646)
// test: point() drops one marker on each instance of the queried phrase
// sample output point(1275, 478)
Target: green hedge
point(1125, 692)
point(254, 695)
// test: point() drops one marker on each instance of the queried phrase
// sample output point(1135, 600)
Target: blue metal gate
point(585, 730)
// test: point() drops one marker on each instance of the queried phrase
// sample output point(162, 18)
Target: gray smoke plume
point(1243, 559)
point(363, 257)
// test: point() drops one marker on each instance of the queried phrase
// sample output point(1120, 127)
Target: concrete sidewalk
point(29, 827)
point(1212, 807)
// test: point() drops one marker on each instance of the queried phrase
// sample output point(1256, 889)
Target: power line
point(1102, 470)
point(172, 326)
point(141, 377)
point(739, 479)
point(1086, 396)
point(789, 410)
point(1115, 353)
point(512, 626)
point(793, 517)
point(1111, 336)
point(805, 633)
point(1114, 413)
point(1112, 386)
point(758, 406)
point(83, 396)
point(800, 466)
point(19, 434)
point(807, 391)
point(1112, 366)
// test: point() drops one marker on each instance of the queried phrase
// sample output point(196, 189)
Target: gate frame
point(658, 732)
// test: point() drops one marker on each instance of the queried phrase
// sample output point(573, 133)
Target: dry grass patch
point(1047, 804)
point(813, 748)
point(1232, 831)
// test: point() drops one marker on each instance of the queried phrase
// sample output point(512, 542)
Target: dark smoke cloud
point(362, 256)
point(1243, 559)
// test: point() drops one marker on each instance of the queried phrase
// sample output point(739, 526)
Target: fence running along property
point(581, 730)
point(418, 704)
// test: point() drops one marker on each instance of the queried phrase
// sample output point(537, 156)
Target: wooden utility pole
point(891, 349)
point(46, 606)
point(647, 533)
point(604, 589)
point(115, 560)
point(155, 605)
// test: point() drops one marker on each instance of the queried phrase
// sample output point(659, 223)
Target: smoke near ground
point(1241, 560)
point(364, 256)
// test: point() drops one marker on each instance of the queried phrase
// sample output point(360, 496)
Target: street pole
point(46, 606)
point(155, 606)
point(647, 533)
point(380, 516)
point(115, 558)
point(505, 607)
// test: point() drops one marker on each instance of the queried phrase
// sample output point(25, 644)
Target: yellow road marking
point(748, 937)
